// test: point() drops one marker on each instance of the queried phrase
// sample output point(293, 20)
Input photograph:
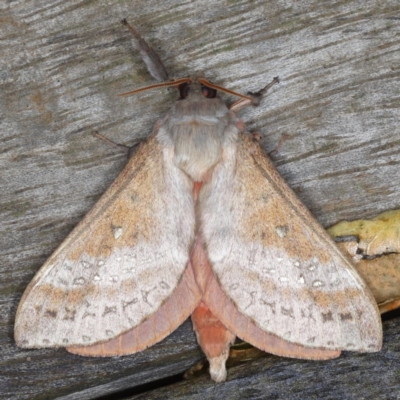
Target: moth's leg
point(196, 369)
point(282, 140)
point(149, 56)
point(127, 150)
point(257, 96)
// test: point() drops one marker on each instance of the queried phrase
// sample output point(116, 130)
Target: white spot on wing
point(117, 231)
point(269, 271)
point(282, 231)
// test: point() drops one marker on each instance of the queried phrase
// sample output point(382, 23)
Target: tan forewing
point(276, 263)
point(119, 264)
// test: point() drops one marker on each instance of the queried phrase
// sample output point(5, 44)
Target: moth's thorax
point(198, 128)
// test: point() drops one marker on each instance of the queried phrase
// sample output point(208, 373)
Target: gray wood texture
point(352, 376)
point(63, 64)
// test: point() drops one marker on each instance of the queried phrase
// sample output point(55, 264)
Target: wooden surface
point(352, 376)
point(62, 66)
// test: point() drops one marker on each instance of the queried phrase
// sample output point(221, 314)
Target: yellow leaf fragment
point(378, 238)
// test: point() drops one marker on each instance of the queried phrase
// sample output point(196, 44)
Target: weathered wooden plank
point(352, 376)
point(62, 66)
point(50, 374)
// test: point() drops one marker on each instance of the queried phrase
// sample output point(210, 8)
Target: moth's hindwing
point(120, 264)
point(277, 264)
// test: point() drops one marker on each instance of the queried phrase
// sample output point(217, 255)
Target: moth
point(200, 224)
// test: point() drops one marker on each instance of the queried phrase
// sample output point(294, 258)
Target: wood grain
point(62, 66)
point(348, 377)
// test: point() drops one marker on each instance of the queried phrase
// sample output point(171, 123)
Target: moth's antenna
point(176, 83)
point(149, 56)
point(222, 89)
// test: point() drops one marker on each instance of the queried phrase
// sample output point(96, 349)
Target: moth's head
point(190, 88)
point(195, 90)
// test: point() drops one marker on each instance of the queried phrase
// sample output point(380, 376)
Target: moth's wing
point(241, 325)
point(276, 263)
point(120, 264)
point(178, 307)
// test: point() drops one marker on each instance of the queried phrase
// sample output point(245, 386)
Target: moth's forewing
point(120, 264)
point(176, 309)
point(277, 264)
point(242, 326)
